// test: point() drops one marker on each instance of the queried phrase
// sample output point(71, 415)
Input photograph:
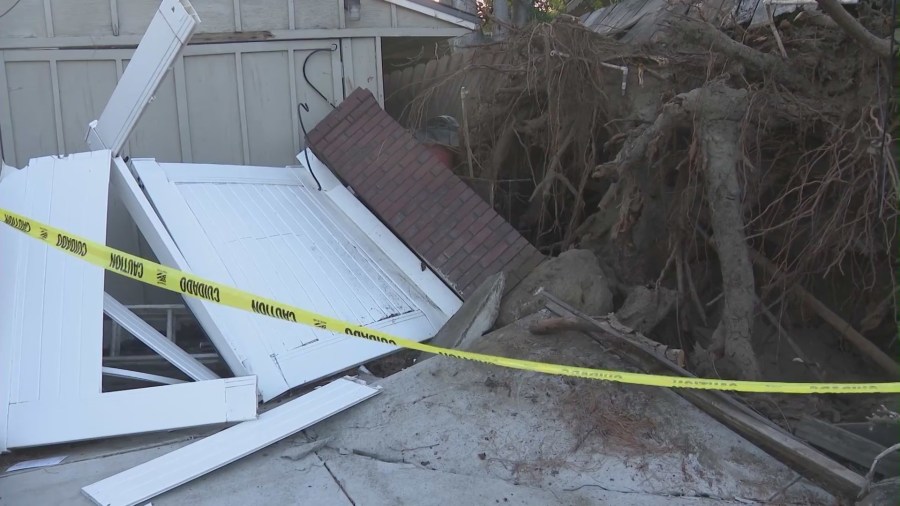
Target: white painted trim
point(130, 41)
point(169, 31)
point(409, 264)
point(48, 18)
point(428, 11)
point(242, 107)
point(379, 72)
point(6, 128)
point(146, 481)
point(132, 411)
point(142, 376)
point(184, 123)
point(207, 173)
point(124, 185)
point(155, 341)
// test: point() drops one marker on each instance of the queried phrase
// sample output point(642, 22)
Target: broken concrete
point(558, 434)
point(574, 276)
point(475, 317)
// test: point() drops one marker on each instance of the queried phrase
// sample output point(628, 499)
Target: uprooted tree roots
point(707, 132)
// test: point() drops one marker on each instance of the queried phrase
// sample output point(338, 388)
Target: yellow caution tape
point(184, 283)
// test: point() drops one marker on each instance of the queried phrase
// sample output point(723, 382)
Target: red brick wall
point(430, 209)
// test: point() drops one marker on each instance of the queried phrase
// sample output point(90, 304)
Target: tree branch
point(865, 38)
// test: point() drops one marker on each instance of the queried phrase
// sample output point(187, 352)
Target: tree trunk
point(719, 111)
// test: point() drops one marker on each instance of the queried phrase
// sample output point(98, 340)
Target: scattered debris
point(476, 316)
point(148, 480)
point(33, 464)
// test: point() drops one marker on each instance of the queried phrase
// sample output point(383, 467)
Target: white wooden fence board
point(11, 262)
point(51, 336)
point(132, 411)
point(155, 341)
point(142, 376)
point(148, 480)
point(61, 293)
point(168, 32)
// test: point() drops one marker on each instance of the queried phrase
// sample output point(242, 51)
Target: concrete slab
point(557, 433)
point(262, 478)
point(376, 483)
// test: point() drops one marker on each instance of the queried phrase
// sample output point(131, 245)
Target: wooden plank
point(170, 29)
point(883, 433)
point(778, 443)
point(140, 376)
point(300, 34)
point(847, 445)
point(144, 482)
point(157, 342)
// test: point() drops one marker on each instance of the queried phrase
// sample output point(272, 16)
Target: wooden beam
point(847, 445)
point(757, 429)
point(131, 41)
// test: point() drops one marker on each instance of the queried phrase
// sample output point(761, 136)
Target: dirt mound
point(574, 276)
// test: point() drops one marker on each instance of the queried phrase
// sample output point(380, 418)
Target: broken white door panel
point(263, 230)
point(51, 317)
point(132, 411)
point(142, 483)
point(383, 241)
point(126, 188)
point(140, 376)
point(155, 341)
point(168, 33)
